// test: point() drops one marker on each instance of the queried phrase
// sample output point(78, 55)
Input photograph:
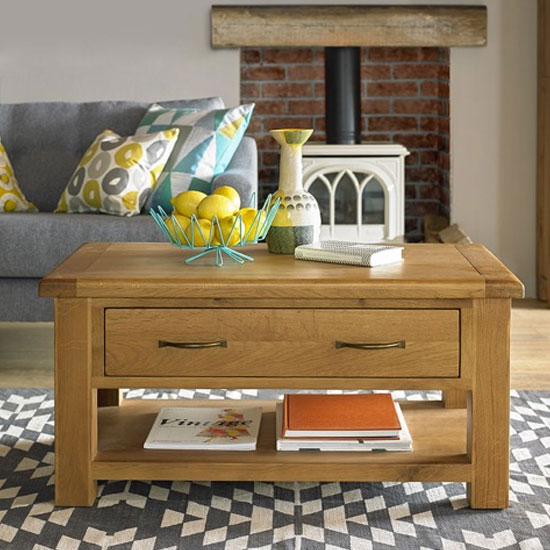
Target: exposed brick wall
point(405, 99)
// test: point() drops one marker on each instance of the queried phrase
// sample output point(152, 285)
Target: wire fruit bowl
point(215, 240)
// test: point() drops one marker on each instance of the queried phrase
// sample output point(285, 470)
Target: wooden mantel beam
point(348, 25)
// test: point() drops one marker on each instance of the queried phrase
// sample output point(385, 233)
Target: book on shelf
point(352, 415)
point(402, 442)
point(203, 429)
point(349, 252)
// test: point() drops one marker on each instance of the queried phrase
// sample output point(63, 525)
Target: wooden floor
point(530, 345)
point(26, 355)
point(26, 350)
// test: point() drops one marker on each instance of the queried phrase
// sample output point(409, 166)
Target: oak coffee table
point(134, 315)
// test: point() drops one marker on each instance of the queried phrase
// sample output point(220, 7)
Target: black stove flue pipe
point(343, 95)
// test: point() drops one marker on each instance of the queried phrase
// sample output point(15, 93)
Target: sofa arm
point(242, 172)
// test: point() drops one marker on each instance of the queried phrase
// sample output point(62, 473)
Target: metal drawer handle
point(385, 345)
point(193, 345)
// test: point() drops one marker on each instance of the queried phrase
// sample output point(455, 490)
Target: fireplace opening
point(404, 99)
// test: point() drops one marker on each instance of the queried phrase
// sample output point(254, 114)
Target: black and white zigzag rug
point(137, 515)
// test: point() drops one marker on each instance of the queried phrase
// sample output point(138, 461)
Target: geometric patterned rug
point(139, 515)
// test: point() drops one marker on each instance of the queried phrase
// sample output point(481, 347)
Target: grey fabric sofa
point(45, 142)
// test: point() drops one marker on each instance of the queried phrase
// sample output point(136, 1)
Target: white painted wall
point(493, 137)
point(121, 49)
point(111, 49)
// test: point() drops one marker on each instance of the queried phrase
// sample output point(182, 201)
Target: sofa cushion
point(45, 141)
point(205, 146)
point(11, 196)
point(33, 244)
point(117, 174)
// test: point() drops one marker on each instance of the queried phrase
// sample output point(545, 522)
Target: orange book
point(355, 415)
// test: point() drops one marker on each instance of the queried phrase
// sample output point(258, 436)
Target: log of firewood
point(433, 224)
point(454, 234)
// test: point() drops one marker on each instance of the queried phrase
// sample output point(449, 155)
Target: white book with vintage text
point(205, 428)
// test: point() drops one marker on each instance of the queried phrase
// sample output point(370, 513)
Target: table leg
point(489, 406)
point(75, 405)
point(455, 399)
point(108, 397)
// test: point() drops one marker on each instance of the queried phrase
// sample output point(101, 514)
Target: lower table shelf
point(439, 442)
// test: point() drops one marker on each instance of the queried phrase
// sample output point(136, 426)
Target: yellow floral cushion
point(11, 197)
point(117, 174)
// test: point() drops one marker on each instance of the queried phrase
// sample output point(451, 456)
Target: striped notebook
point(349, 252)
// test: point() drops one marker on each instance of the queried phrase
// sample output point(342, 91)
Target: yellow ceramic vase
point(298, 220)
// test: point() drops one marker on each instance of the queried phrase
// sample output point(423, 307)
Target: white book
point(404, 443)
point(349, 252)
point(200, 428)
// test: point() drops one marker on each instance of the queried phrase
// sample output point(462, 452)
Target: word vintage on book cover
point(199, 428)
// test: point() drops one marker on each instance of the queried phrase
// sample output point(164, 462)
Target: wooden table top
point(158, 270)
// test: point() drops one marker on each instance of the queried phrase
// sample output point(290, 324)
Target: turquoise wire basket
point(215, 242)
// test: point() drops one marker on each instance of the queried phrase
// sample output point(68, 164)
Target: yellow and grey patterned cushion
point(11, 196)
point(117, 174)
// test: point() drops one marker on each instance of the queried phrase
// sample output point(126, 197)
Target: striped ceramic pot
point(298, 220)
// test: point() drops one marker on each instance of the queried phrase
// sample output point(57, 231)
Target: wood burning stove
point(360, 189)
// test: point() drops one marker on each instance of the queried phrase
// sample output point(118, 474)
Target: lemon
point(230, 193)
point(252, 220)
point(215, 205)
point(173, 229)
point(186, 203)
point(193, 232)
point(232, 231)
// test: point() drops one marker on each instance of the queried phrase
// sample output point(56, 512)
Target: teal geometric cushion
point(205, 146)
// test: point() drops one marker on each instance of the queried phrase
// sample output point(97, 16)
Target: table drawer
point(282, 342)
